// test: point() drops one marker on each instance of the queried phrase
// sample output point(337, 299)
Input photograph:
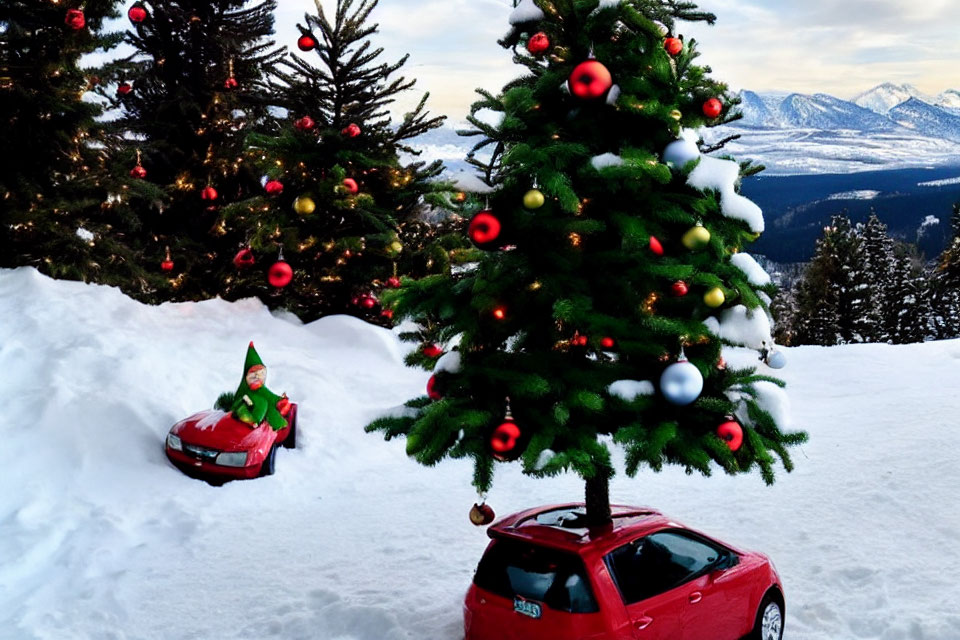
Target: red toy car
point(545, 576)
point(215, 444)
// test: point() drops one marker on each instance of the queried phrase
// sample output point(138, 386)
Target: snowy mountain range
point(887, 108)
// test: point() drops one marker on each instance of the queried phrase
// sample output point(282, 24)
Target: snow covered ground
point(101, 538)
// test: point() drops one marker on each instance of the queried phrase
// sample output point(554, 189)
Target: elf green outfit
point(253, 401)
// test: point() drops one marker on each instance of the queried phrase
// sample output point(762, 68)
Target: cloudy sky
point(839, 47)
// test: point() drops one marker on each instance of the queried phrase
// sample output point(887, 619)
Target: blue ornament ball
point(680, 153)
point(776, 360)
point(681, 383)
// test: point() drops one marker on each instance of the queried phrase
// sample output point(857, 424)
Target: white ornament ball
point(680, 153)
point(681, 383)
point(776, 360)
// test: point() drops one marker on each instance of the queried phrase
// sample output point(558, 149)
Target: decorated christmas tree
point(614, 276)
point(340, 216)
point(51, 188)
point(188, 96)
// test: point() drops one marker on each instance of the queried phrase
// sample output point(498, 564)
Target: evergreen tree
point(190, 93)
point(875, 276)
point(910, 305)
point(51, 188)
point(351, 215)
point(825, 294)
point(945, 285)
point(598, 277)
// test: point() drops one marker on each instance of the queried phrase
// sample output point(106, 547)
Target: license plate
point(527, 608)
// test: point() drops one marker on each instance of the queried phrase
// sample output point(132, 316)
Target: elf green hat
point(253, 359)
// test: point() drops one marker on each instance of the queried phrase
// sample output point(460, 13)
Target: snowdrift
point(100, 537)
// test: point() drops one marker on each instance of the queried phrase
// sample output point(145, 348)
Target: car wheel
point(269, 463)
point(769, 624)
point(290, 442)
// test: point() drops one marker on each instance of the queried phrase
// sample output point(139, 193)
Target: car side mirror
point(726, 561)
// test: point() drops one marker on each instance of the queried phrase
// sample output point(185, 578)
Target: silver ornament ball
point(776, 360)
point(681, 383)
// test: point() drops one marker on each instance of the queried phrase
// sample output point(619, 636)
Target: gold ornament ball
point(714, 298)
point(676, 114)
point(533, 199)
point(304, 205)
point(696, 238)
point(395, 248)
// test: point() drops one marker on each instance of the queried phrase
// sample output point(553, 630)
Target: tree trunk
point(598, 500)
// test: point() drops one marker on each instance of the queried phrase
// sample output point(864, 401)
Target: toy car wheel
point(290, 442)
point(269, 463)
point(769, 624)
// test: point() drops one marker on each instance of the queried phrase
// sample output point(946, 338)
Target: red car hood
point(217, 430)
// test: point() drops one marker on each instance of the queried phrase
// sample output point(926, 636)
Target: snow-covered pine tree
point(910, 308)
point(824, 294)
point(875, 276)
point(945, 284)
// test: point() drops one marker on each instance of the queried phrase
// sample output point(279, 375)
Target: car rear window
point(512, 568)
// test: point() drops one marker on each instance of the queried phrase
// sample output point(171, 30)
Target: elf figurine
point(253, 401)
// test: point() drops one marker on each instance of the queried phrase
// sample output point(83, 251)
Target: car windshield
point(511, 568)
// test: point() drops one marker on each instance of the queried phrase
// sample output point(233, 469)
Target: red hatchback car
point(213, 444)
point(545, 576)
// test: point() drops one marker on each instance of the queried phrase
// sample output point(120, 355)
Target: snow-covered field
point(101, 538)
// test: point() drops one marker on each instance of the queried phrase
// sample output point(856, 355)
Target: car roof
point(563, 527)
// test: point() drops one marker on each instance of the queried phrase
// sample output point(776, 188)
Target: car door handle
point(696, 597)
point(642, 623)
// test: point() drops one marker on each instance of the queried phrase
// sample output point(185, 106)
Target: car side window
point(658, 563)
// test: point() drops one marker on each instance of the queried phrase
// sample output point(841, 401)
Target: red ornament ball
point(679, 288)
point(655, 246)
point(230, 83)
point(75, 19)
point(673, 45)
point(274, 187)
point(244, 259)
point(387, 313)
point(504, 438)
point(500, 313)
point(307, 43)
point(538, 43)
point(393, 282)
point(368, 301)
point(484, 229)
point(280, 274)
point(352, 130)
point(607, 342)
point(579, 340)
point(481, 515)
point(305, 123)
point(732, 433)
point(590, 80)
point(138, 172)
point(124, 88)
point(432, 392)
point(137, 14)
point(712, 108)
point(209, 193)
point(351, 185)
point(432, 351)
point(167, 265)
